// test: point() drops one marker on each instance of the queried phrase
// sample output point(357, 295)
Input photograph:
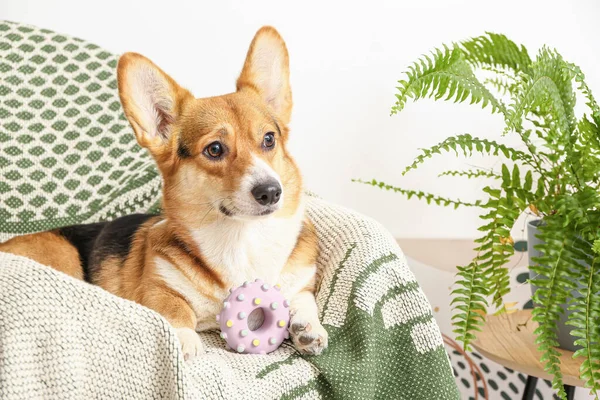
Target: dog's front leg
point(180, 315)
point(299, 281)
point(306, 331)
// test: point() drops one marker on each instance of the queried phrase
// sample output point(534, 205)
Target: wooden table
point(508, 339)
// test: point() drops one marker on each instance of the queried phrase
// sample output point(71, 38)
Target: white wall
point(345, 61)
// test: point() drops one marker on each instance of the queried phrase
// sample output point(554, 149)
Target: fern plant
point(556, 175)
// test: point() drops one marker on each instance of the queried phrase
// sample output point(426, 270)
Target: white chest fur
point(246, 250)
point(239, 251)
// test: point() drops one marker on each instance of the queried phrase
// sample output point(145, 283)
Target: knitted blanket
point(67, 156)
point(62, 338)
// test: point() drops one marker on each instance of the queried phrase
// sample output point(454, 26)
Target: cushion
point(67, 153)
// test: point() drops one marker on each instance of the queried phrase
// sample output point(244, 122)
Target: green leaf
point(441, 201)
point(445, 74)
point(495, 50)
point(466, 144)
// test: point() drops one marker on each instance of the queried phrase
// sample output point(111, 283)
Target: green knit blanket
point(67, 155)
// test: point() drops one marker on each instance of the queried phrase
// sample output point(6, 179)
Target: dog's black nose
point(267, 193)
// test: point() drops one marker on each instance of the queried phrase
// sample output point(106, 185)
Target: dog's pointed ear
point(151, 99)
point(267, 72)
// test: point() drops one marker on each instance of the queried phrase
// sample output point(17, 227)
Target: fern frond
point(548, 90)
point(583, 87)
point(444, 74)
point(494, 249)
point(502, 73)
point(487, 274)
point(468, 144)
point(579, 215)
point(585, 317)
point(497, 51)
point(501, 85)
point(506, 205)
point(586, 156)
point(554, 282)
point(428, 197)
point(470, 174)
point(469, 303)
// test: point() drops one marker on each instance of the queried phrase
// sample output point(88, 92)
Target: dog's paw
point(309, 337)
point(191, 344)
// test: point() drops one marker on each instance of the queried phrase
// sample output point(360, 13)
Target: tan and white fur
point(233, 205)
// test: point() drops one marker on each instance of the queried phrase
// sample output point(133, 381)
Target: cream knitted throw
point(62, 338)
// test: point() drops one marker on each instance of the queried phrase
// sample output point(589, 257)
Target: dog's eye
point(269, 140)
point(214, 150)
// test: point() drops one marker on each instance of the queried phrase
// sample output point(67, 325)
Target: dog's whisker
point(205, 215)
point(211, 202)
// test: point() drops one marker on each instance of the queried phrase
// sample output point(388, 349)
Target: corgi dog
point(233, 207)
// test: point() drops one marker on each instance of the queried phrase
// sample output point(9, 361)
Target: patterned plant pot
point(565, 339)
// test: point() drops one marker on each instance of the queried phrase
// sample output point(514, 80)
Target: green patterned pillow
point(67, 153)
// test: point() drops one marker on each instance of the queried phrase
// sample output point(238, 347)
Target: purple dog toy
point(240, 303)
